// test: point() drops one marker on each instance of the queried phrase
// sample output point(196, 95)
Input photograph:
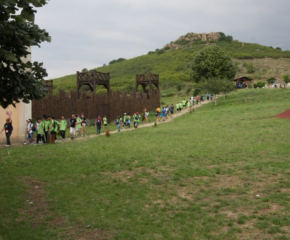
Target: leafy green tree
point(20, 81)
point(286, 78)
point(216, 86)
point(212, 62)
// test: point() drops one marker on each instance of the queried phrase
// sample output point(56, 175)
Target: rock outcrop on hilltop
point(194, 37)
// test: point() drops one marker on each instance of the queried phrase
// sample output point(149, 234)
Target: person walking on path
point(98, 124)
point(177, 107)
point(171, 110)
point(46, 126)
point(146, 115)
point(207, 96)
point(124, 120)
point(105, 121)
point(78, 126)
point(128, 120)
point(184, 103)
point(40, 131)
point(54, 129)
point(8, 128)
point(196, 100)
point(29, 136)
point(118, 123)
point(84, 124)
point(62, 127)
point(72, 127)
point(136, 118)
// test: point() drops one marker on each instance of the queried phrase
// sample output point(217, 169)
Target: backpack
point(54, 125)
point(98, 121)
point(33, 128)
point(136, 117)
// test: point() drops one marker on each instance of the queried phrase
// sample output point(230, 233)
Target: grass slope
point(174, 66)
point(219, 173)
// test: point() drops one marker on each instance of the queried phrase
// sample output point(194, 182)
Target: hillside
point(173, 62)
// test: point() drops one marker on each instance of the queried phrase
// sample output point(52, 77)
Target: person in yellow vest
point(62, 127)
point(184, 103)
point(78, 126)
point(105, 121)
point(188, 105)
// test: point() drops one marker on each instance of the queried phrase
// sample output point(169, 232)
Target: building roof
point(244, 78)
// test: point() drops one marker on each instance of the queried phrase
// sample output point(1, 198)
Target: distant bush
point(182, 42)
point(179, 87)
point(259, 84)
point(224, 38)
point(171, 94)
point(117, 60)
point(160, 51)
point(188, 90)
point(196, 91)
point(271, 80)
point(250, 68)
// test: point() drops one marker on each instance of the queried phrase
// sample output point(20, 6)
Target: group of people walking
point(47, 128)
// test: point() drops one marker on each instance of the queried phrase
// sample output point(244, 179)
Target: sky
point(90, 33)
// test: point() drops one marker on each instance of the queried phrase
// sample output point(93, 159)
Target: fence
point(112, 105)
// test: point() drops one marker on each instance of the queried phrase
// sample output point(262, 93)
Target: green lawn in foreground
point(219, 173)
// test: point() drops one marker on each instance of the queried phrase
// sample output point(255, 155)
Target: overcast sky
point(90, 33)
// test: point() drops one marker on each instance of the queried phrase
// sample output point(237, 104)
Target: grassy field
point(219, 173)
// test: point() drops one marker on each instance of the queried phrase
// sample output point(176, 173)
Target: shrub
point(250, 68)
point(259, 84)
point(179, 87)
point(271, 80)
point(117, 60)
point(196, 91)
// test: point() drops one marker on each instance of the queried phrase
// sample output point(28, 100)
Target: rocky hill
point(190, 38)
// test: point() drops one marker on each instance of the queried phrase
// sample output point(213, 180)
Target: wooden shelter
point(93, 79)
point(243, 82)
point(147, 80)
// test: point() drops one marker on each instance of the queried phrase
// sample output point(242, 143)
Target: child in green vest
point(62, 127)
point(105, 121)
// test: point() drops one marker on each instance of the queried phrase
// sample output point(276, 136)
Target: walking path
point(175, 115)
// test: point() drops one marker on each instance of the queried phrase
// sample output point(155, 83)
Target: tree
point(271, 80)
point(216, 86)
point(20, 81)
point(286, 78)
point(212, 62)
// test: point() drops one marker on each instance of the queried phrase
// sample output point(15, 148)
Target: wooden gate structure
point(112, 104)
point(93, 79)
point(147, 80)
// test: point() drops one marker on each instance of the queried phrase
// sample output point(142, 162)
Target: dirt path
point(175, 115)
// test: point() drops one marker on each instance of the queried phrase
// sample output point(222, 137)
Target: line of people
point(46, 128)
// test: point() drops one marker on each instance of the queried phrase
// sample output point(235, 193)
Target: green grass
point(219, 173)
